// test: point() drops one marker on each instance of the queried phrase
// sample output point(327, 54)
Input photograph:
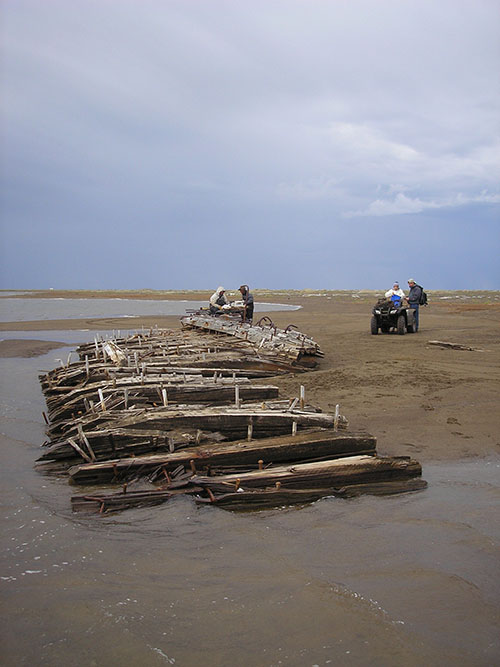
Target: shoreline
point(308, 300)
point(261, 294)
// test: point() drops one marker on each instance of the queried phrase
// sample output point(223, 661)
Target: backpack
point(423, 297)
point(396, 300)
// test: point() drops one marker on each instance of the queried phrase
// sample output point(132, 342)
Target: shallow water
point(22, 310)
point(411, 579)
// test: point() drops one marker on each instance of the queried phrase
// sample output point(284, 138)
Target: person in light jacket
point(395, 291)
point(217, 300)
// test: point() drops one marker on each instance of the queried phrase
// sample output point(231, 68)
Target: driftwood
point(303, 446)
point(454, 346)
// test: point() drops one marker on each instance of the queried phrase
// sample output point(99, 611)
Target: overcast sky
point(328, 144)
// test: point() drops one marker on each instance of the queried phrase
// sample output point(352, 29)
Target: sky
point(186, 144)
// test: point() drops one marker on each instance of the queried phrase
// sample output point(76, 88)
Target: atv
point(392, 314)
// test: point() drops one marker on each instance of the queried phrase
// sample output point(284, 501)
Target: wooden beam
point(303, 446)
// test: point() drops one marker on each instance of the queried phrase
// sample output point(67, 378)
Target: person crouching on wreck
point(247, 297)
point(217, 300)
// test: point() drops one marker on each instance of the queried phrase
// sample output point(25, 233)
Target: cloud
point(402, 204)
point(367, 143)
point(182, 117)
point(366, 161)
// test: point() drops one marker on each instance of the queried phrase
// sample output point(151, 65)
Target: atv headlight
point(377, 312)
point(393, 312)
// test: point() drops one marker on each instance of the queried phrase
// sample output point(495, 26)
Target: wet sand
point(27, 348)
point(419, 400)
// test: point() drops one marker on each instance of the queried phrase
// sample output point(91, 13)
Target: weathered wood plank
point(231, 422)
point(303, 446)
point(273, 497)
point(105, 503)
point(324, 474)
point(210, 392)
point(288, 343)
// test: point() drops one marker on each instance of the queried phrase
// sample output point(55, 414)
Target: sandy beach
point(418, 399)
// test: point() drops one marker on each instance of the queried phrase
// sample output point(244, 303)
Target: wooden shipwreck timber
point(192, 411)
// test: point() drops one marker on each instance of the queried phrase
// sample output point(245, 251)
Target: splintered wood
point(192, 411)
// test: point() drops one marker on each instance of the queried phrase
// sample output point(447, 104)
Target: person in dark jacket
point(248, 303)
point(414, 298)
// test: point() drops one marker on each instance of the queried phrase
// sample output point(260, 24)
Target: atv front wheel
point(401, 325)
point(374, 326)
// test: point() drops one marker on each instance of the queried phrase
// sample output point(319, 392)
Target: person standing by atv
point(414, 298)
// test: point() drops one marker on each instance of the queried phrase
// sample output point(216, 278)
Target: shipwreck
point(141, 418)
